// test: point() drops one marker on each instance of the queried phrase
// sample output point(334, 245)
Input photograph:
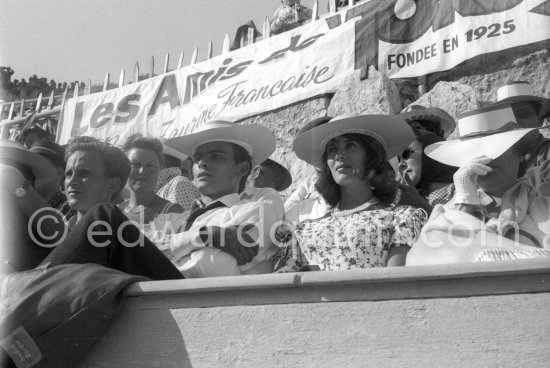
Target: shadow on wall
point(120, 347)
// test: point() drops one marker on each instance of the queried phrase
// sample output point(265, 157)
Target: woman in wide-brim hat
point(362, 229)
point(488, 153)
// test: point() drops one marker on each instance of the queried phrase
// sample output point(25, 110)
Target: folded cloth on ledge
point(452, 236)
point(51, 317)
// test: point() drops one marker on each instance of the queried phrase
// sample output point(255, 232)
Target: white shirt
point(261, 207)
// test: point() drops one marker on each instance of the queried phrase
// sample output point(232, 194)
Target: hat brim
point(394, 134)
point(524, 98)
point(286, 178)
point(167, 150)
point(460, 151)
point(435, 115)
point(42, 169)
point(257, 139)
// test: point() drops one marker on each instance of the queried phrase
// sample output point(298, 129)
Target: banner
point(276, 72)
point(407, 38)
point(403, 38)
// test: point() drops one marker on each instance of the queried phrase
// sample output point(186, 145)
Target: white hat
point(489, 131)
point(172, 152)
point(391, 131)
point(433, 114)
point(518, 91)
point(42, 169)
point(257, 140)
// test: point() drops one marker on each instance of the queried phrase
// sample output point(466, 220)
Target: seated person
point(432, 179)
point(229, 230)
point(494, 216)
point(431, 119)
point(52, 191)
point(269, 174)
point(289, 16)
point(361, 229)
point(527, 108)
point(172, 185)
point(306, 203)
point(144, 205)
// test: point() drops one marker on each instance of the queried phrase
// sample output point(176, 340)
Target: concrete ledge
point(418, 282)
point(474, 315)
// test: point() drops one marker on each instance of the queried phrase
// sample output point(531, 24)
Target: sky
point(68, 40)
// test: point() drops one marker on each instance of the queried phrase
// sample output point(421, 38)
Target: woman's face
point(410, 163)
point(346, 159)
point(145, 170)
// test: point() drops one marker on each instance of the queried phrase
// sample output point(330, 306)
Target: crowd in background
point(23, 89)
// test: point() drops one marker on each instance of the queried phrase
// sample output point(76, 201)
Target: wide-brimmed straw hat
point(518, 91)
point(50, 150)
point(14, 153)
point(489, 131)
point(167, 150)
point(257, 140)
point(433, 114)
point(284, 178)
point(391, 131)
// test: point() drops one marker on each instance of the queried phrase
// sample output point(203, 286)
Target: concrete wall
point(477, 315)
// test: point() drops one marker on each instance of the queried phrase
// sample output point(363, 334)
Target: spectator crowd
point(209, 204)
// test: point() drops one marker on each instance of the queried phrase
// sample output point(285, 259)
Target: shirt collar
point(229, 200)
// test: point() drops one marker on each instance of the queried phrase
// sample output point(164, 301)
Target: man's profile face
point(86, 181)
point(215, 170)
point(526, 114)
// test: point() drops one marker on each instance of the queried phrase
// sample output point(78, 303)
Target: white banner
point(404, 38)
point(279, 71)
point(465, 38)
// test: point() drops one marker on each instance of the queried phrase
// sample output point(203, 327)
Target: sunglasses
point(406, 154)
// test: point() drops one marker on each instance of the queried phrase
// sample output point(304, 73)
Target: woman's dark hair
point(432, 171)
point(384, 186)
point(115, 161)
point(139, 141)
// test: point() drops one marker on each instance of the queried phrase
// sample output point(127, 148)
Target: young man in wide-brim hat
point(529, 111)
point(525, 104)
point(228, 231)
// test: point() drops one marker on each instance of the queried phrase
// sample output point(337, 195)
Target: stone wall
point(470, 85)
